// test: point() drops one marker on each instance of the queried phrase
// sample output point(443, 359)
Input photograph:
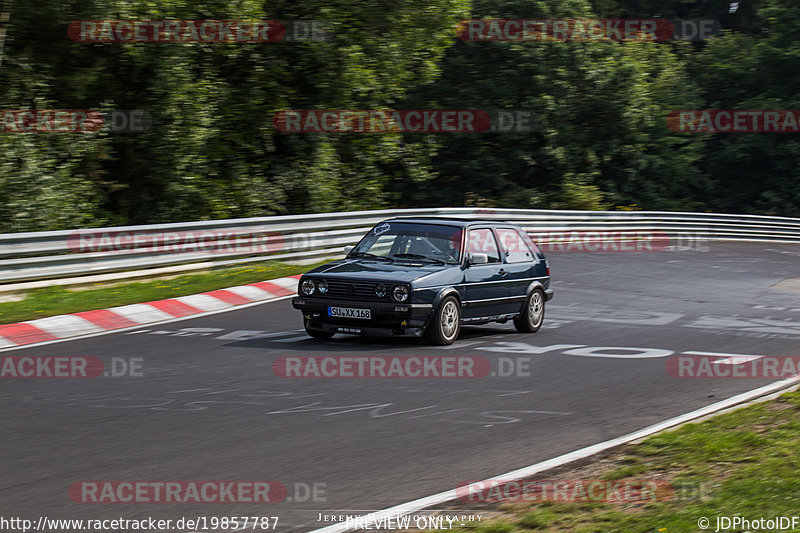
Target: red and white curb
point(126, 316)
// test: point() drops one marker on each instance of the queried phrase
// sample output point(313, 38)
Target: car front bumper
point(387, 318)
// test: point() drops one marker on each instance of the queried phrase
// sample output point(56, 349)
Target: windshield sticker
point(381, 229)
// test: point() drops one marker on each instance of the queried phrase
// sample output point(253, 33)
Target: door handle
point(503, 272)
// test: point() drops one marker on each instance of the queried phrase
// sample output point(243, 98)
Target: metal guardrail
point(58, 254)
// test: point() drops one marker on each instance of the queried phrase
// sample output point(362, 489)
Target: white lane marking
point(736, 360)
point(727, 358)
point(458, 345)
point(758, 325)
point(552, 323)
point(249, 292)
point(601, 314)
point(522, 473)
point(620, 352)
point(523, 347)
point(293, 339)
point(141, 313)
point(65, 325)
point(203, 302)
point(137, 331)
point(252, 334)
point(770, 308)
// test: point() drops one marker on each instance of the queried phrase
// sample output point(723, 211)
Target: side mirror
point(348, 249)
point(477, 259)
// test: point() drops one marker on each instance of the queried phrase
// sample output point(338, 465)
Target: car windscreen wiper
point(372, 256)
point(420, 256)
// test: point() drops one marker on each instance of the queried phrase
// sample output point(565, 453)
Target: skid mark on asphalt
point(285, 403)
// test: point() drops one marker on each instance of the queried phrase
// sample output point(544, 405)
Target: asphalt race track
point(210, 407)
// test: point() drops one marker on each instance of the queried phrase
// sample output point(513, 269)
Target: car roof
point(450, 221)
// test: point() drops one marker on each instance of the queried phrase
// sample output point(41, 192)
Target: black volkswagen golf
point(428, 276)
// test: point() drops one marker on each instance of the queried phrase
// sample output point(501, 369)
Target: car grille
point(355, 290)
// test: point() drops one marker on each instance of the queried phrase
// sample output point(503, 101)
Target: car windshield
point(400, 241)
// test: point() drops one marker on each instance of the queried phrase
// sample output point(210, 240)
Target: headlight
point(400, 293)
point(322, 285)
point(307, 287)
point(380, 290)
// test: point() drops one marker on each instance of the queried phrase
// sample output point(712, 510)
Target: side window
point(482, 241)
point(531, 244)
point(514, 246)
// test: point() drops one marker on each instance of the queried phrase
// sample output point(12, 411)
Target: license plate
point(349, 312)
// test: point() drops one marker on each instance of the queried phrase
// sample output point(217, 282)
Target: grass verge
point(740, 463)
point(57, 300)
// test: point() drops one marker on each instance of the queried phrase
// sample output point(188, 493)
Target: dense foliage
point(212, 152)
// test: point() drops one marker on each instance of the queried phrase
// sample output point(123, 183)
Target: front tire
point(446, 323)
point(532, 314)
point(317, 334)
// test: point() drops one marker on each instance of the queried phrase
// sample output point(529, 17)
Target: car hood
point(380, 271)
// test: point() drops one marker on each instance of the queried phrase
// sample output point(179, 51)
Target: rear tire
point(317, 334)
point(446, 323)
point(532, 314)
